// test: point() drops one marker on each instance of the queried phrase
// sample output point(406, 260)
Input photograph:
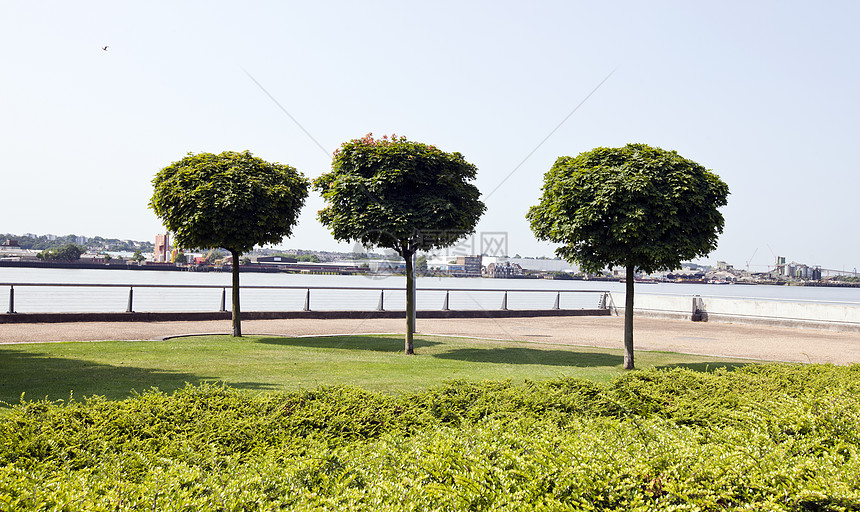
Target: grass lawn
point(113, 369)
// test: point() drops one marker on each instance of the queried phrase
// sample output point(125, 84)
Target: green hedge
point(763, 437)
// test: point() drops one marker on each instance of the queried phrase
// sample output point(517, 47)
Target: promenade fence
point(153, 301)
point(57, 302)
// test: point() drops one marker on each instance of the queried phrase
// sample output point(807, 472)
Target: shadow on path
point(515, 355)
point(38, 376)
point(371, 343)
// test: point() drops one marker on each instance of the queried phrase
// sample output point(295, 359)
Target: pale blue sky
point(763, 93)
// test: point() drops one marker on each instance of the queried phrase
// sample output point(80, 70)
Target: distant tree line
point(96, 243)
point(68, 252)
point(309, 258)
point(847, 279)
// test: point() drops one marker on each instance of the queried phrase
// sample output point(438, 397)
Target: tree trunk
point(410, 302)
point(628, 321)
point(237, 320)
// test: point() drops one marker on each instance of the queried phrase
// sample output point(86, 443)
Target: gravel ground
point(713, 339)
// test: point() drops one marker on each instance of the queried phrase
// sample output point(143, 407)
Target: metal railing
point(603, 301)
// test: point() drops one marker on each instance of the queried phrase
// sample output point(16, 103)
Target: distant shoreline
point(272, 269)
point(170, 267)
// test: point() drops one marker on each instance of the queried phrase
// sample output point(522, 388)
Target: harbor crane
point(751, 257)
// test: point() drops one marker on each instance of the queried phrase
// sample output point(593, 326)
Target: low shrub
point(763, 437)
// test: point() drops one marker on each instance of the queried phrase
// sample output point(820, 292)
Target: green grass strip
point(259, 363)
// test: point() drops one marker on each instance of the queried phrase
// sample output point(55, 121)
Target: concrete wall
point(834, 316)
point(670, 306)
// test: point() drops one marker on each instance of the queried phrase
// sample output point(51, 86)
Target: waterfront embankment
point(831, 315)
point(155, 296)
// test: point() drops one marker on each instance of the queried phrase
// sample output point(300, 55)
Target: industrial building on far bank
point(498, 266)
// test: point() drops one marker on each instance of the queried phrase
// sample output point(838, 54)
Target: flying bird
point(104, 48)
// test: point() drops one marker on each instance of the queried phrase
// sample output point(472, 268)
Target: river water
point(474, 293)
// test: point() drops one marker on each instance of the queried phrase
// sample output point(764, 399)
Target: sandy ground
point(713, 339)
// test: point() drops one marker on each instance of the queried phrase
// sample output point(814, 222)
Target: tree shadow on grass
point(40, 375)
point(706, 366)
point(516, 355)
point(371, 343)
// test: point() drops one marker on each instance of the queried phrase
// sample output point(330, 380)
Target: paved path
point(713, 339)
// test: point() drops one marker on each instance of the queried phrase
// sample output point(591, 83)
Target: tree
point(138, 257)
point(421, 264)
point(230, 200)
point(68, 252)
point(402, 195)
point(637, 206)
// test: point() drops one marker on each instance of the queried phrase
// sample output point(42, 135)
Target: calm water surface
point(431, 293)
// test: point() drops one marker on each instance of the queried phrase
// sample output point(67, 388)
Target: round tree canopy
point(635, 205)
point(399, 194)
point(230, 200)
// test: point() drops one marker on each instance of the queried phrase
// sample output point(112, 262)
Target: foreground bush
point(770, 437)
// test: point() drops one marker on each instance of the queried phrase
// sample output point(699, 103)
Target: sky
point(765, 94)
